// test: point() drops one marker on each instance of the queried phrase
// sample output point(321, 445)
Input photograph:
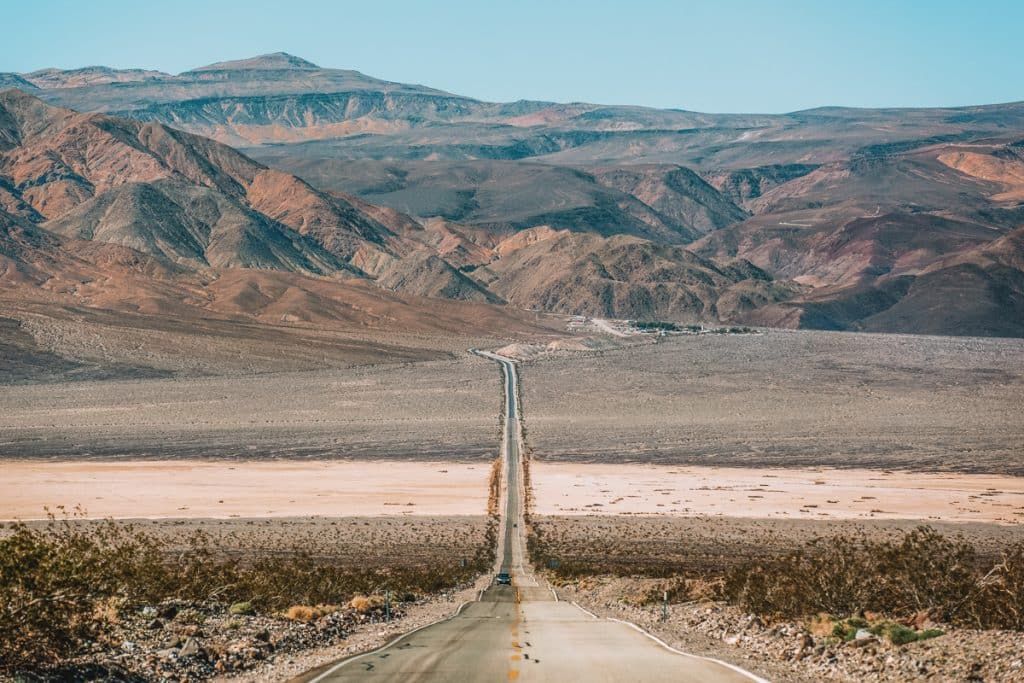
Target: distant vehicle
point(503, 579)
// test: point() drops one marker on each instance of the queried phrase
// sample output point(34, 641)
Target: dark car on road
point(503, 579)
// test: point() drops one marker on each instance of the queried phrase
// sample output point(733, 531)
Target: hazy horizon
point(728, 57)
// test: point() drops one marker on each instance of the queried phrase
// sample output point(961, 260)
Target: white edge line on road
point(511, 361)
point(385, 646)
point(659, 641)
point(584, 609)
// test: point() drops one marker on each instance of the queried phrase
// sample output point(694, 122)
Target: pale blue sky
point(723, 56)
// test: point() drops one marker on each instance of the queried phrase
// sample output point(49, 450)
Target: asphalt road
point(523, 632)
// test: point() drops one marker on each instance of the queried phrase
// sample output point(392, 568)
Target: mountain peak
point(274, 60)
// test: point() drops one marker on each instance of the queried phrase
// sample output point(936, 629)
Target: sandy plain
point(825, 494)
point(176, 489)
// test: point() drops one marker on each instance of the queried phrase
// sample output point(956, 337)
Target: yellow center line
point(513, 671)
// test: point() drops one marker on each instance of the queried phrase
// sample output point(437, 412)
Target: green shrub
point(241, 608)
point(843, 631)
point(901, 635)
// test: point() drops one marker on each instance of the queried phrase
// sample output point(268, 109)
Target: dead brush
point(307, 613)
point(494, 488)
point(922, 572)
point(364, 604)
point(65, 585)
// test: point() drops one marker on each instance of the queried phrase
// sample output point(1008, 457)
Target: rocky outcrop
point(675, 192)
point(619, 277)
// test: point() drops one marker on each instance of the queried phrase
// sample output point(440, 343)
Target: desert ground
point(166, 489)
point(658, 469)
point(796, 425)
point(681, 456)
point(785, 399)
point(826, 494)
point(357, 542)
point(663, 545)
point(436, 410)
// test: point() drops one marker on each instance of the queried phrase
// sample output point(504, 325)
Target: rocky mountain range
point(880, 220)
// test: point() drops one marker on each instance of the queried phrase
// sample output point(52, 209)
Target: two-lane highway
point(523, 632)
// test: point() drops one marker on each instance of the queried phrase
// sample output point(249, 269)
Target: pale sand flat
point(154, 489)
point(799, 493)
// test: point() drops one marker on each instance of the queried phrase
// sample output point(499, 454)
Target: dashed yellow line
point(516, 656)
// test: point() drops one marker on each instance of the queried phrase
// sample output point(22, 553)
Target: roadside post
point(387, 606)
point(664, 606)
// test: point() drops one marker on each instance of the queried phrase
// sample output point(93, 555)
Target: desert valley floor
point(650, 428)
point(690, 452)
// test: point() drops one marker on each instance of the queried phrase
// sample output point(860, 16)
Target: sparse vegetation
point(241, 608)
point(903, 580)
point(64, 584)
point(665, 326)
point(656, 325)
point(850, 629)
point(922, 573)
point(312, 613)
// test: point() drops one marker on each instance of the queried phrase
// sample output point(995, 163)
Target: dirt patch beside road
point(824, 494)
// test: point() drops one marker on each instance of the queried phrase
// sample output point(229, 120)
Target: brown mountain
point(892, 240)
point(855, 218)
point(622, 277)
point(665, 203)
point(197, 205)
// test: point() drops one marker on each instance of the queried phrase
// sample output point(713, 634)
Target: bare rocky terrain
point(832, 218)
point(784, 399)
point(436, 410)
point(791, 653)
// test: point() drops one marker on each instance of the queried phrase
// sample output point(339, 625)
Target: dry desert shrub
point(309, 613)
point(923, 572)
point(62, 585)
point(907, 577)
point(494, 488)
point(58, 589)
point(360, 603)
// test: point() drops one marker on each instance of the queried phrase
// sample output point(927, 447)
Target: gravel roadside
point(789, 653)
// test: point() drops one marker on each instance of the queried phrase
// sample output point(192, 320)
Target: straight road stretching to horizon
point(523, 632)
